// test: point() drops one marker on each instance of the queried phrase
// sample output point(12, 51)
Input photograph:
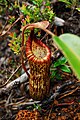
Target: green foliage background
point(33, 11)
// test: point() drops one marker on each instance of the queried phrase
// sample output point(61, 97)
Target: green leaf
point(23, 9)
point(37, 106)
point(56, 64)
point(34, 2)
point(60, 61)
point(78, 9)
point(53, 73)
point(58, 76)
point(65, 1)
point(65, 68)
point(69, 44)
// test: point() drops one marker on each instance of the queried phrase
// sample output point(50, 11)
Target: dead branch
point(23, 78)
point(69, 93)
point(26, 103)
point(10, 77)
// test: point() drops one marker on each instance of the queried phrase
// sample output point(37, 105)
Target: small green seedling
point(36, 106)
point(60, 64)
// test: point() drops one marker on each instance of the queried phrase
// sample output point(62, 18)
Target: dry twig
point(10, 77)
point(11, 26)
point(23, 78)
point(69, 93)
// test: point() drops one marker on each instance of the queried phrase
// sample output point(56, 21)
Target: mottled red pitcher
point(39, 56)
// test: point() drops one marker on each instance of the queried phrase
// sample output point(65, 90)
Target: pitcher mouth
point(37, 51)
